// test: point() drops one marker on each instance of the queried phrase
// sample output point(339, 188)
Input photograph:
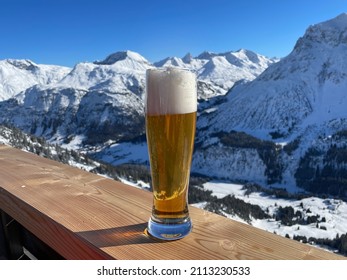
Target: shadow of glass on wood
point(120, 236)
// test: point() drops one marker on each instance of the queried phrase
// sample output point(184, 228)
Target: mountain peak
point(247, 52)
point(187, 58)
point(171, 62)
point(332, 32)
point(243, 54)
point(121, 55)
point(339, 22)
point(24, 64)
point(206, 55)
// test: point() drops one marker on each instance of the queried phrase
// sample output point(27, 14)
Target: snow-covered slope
point(65, 114)
point(320, 218)
point(17, 75)
point(309, 86)
point(299, 102)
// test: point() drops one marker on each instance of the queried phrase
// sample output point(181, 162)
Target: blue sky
point(65, 32)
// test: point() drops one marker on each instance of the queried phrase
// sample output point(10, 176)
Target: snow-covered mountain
point(17, 75)
point(95, 101)
point(307, 87)
point(125, 70)
point(294, 114)
point(121, 72)
point(223, 69)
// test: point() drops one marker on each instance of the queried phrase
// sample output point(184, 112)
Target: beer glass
point(170, 105)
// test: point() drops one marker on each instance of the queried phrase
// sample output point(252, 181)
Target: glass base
point(169, 231)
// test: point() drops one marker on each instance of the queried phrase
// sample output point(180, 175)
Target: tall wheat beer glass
point(171, 103)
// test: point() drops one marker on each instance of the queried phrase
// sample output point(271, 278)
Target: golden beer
point(171, 104)
point(170, 145)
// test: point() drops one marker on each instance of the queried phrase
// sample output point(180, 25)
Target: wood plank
point(85, 216)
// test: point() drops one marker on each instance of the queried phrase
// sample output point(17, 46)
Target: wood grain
point(85, 216)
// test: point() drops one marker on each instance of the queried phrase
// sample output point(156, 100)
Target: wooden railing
point(80, 215)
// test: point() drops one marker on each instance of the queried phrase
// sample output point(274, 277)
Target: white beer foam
point(170, 91)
